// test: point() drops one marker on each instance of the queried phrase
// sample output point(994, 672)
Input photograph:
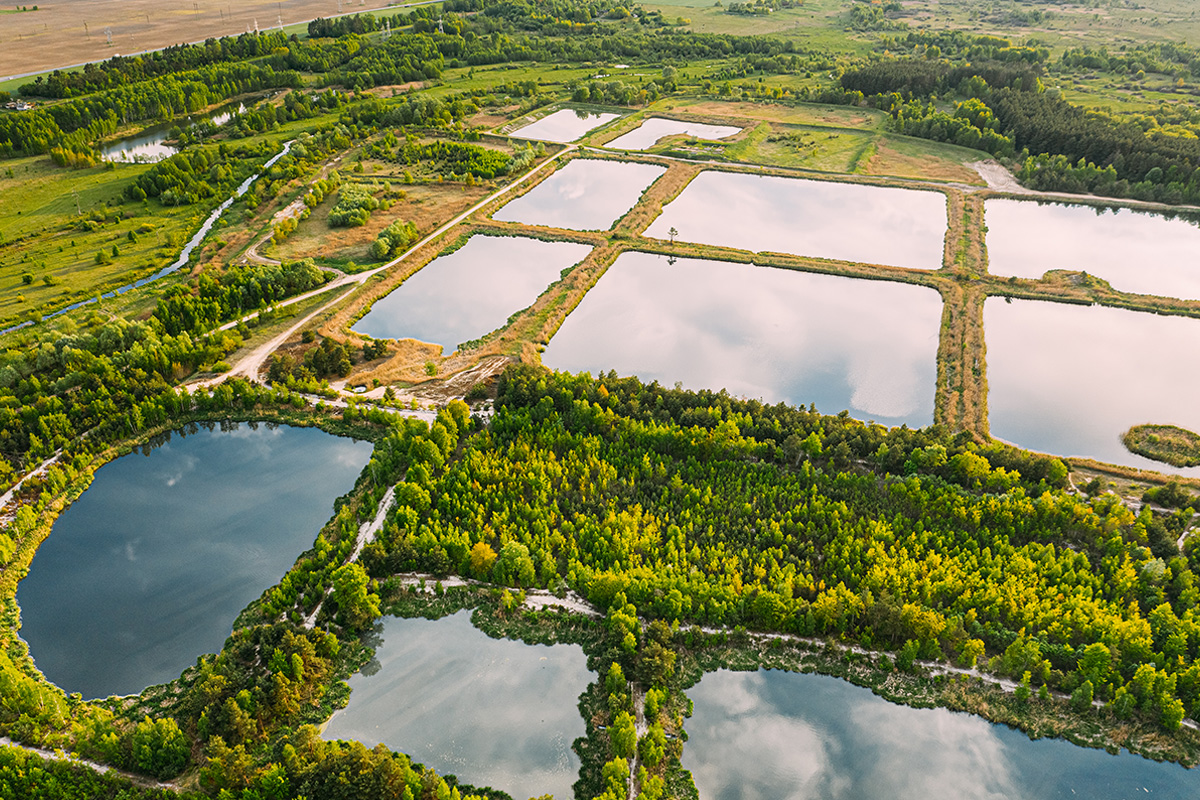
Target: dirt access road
point(250, 364)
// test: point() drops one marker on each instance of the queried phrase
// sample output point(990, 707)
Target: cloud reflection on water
point(871, 224)
point(866, 346)
point(586, 194)
point(1070, 379)
point(770, 735)
point(494, 712)
point(1134, 251)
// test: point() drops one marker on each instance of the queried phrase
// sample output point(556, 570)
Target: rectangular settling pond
point(494, 712)
point(564, 126)
point(585, 195)
point(470, 292)
point(1069, 380)
point(823, 219)
point(1134, 251)
point(151, 565)
point(650, 131)
point(771, 734)
point(842, 343)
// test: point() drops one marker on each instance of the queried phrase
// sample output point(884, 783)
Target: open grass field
point(51, 238)
point(65, 32)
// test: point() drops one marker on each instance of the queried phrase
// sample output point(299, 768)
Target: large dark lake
point(150, 567)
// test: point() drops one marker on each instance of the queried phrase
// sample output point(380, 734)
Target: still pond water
point(1069, 379)
point(151, 144)
point(472, 291)
point(650, 131)
point(166, 547)
point(1134, 252)
point(585, 195)
point(824, 219)
point(787, 736)
point(564, 126)
point(772, 334)
point(494, 712)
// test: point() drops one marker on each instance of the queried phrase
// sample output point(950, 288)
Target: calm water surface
point(148, 569)
point(150, 145)
point(1069, 379)
point(1135, 252)
point(654, 129)
point(586, 195)
point(494, 712)
point(564, 126)
point(472, 291)
point(781, 735)
point(825, 219)
point(866, 346)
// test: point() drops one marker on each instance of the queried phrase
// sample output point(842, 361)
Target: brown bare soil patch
point(393, 89)
point(427, 206)
point(888, 161)
point(487, 119)
point(841, 118)
point(55, 35)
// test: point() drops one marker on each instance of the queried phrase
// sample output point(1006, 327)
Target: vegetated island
point(1169, 444)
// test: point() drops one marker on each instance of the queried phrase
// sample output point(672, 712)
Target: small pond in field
point(824, 219)
point(783, 735)
point(1134, 251)
point(493, 712)
point(650, 131)
point(772, 334)
point(564, 126)
point(151, 565)
point(585, 195)
point(1069, 380)
point(470, 292)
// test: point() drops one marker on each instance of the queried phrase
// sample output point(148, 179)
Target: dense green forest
point(699, 508)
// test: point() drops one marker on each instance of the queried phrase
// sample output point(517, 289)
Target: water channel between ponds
point(771, 334)
point(1069, 380)
point(1134, 251)
point(170, 543)
point(564, 126)
point(650, 131)
point(585, 195)
point(777, 735)
point(470, 292)
point(823, 219)
point(493, 712)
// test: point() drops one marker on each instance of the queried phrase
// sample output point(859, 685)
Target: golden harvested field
point(67, 32)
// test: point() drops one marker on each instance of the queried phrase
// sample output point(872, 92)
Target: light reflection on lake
point(151, 146)
point(586, 194)
point(564, 126)
point(165, 548)
point(842, 343)
point(1069, 380)
point(823, 219)
point(1134, 252)
point(493, 712)
point(780, 735)
point(470, 292)
point(650, 131)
